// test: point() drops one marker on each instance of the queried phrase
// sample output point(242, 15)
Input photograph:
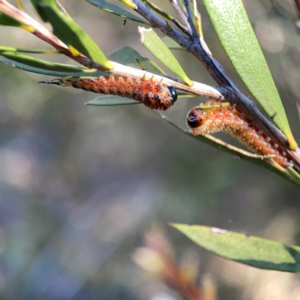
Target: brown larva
point(228, 119)
point(154, 94)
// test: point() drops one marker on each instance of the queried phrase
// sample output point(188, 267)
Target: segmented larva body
point(229, 120)
point(154, 94)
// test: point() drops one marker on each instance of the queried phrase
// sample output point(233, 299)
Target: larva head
point(199, 121)
point(173, 94)
point(195, 117)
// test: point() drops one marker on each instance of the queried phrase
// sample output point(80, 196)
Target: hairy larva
point(228, 119)
point(154, 94)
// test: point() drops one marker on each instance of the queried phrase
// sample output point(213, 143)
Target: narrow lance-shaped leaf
point(116, 10)
point(239, 41)
point(108, 100)
point(171, 44)
point(69, 31)
point(157, 47)
point(292, 175)
point(21, 50)
point(40, 66)
point(8, 21)
point(249, 250)
point(20, 4)
point(130, 57)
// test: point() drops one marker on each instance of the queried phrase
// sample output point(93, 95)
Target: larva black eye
point(173, 93)
point(194, 118)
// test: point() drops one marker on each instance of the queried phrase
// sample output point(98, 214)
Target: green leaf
point(20, 5)
point(34, 65)
point(116, 10)
point(292, 175)
point(69, 31)
point(108, 100)
point(249, 250)
point(171, 44)
point(8, 21)
point(40, 6)
point(157, 47)
point(20, 50)
point(234, 30)
point(127, 56)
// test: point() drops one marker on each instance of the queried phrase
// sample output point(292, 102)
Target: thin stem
point(182, 29)
point(190, 17)
point(181, 14)
point(158, 10)
point(197, 17)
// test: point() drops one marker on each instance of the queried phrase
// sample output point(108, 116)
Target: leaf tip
point(89, 70)
point(129, 3)
point(142, 31)
point(189, 82)
point(292, 143)
point(218, 230)
point(73, 50)
point(108, 65)
point(179, 227)
point(27, 28)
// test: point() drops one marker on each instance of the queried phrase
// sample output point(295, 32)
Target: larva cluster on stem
point(154, 94)
point(215, 117)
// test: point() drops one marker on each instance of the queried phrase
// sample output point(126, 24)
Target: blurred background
point(80, 185)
